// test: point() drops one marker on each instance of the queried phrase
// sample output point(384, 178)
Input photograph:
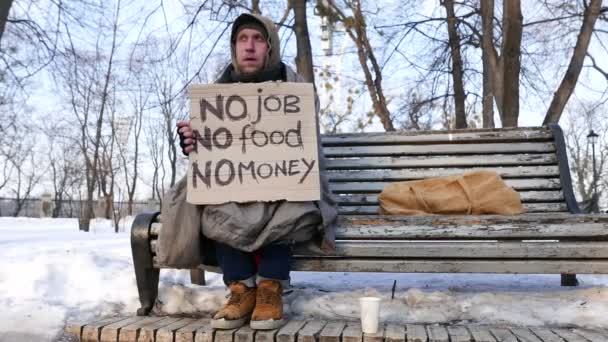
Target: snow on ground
point(51, 273)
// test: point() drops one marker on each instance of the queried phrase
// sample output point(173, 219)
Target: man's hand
point(186, 140)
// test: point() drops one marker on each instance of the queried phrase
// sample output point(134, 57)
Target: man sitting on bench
point(266, 230)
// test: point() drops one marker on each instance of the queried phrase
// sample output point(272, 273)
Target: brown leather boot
point(268, 313)
point(238, 309)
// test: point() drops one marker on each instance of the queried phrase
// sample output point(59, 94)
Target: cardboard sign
point(254, 142)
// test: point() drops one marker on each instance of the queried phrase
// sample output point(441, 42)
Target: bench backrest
point(531, 160)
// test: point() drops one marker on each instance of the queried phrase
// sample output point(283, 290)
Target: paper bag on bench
point(474, 193)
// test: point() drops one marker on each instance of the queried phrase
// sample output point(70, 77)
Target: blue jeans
point(238, 265)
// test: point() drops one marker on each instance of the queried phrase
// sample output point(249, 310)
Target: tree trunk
point(5, 8)
point(110, 206)
point(255, 7)
point(487, 45)
point(566, 87)
point(511, 55)
point(18, 194)
point(87, 213)
point(304, 56)
point(454, 42)
point(366, 53)
point(131, 190)
point(57, 207)
point(59, 191)
point(356, 29)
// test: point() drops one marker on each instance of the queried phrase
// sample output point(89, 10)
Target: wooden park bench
point(553, 237)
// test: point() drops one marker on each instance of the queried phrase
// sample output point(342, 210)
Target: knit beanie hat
point(247, 22)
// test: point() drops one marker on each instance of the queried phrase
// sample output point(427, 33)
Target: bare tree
point(356, 28)
point(65, 166)
point(66, 177)
point(117, 210)
point(7, 171)
point(5, 8)
point(563, 93)
point(28, 174)
point(30, 33)
point(10, 145)
point(437, 68)
point(139, 98)
point(504, 69)
point(511, 53)
point(106, 168)
point(87, 77)
point(154, 134)
point(457, 73)
point(582, 118)
point(339, 106)
point(304, 52)
point(166, 77)
point(488, 58)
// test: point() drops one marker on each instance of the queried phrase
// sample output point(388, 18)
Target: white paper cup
point(370, 314)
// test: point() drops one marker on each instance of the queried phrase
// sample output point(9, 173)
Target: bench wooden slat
point(423, 173)
point(416, 333)
point(569, 335)
point(378, 336)
point(503, 334)
point(264, 335)
point(458, 334)
point(244, 334)
point(525, 196)
point(565, 227)
point(332, 332)
point(395, 333)
point(441, 149)
point(591, 335)
point(525, 334)
point(204, 334)
point(310, 332)
point(415, 174)
point(110, 332)
point(444, 249)
point(545, 335)
point(546, 207)
point(147, 333)
point(186, 333)
point(289, 332)
point(377, 187)
point(454, 136)
point(224, 335)
point(130, 332)
point(440, 161)
point(529, 207)
point(484, 227)
point(352, 333)
point(167, 333)
point(437, 333)
point(92, 331)
point(541, 266)
point(481, 334)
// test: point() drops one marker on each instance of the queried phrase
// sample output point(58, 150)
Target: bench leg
point(197, 276)
point(145, 273)
point(569, 280)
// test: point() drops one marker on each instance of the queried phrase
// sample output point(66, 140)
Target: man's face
point(251, 51)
